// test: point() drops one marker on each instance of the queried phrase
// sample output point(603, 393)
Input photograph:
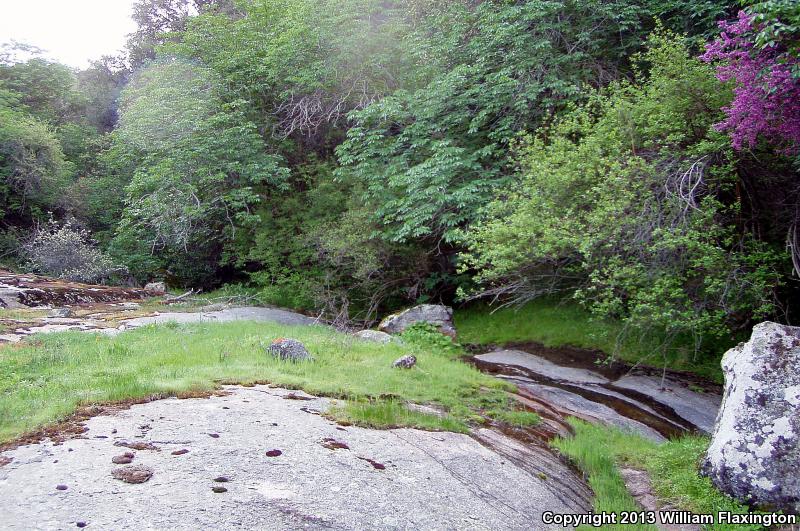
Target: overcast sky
point(72, 31)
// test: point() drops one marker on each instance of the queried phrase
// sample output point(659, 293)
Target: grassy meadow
point(46, 378)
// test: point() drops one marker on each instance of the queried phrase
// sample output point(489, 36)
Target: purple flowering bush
point(766, 101)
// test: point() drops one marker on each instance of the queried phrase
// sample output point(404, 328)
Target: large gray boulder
point(755, 450)
point(436, 314)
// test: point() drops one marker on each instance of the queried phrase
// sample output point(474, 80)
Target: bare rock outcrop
point(755, 450)
point(435, 314)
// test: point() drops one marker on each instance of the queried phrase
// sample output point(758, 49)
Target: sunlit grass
point(672, 467)
point(46, 380)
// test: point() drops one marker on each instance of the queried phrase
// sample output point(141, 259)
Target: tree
point(198, 162)
point(626, 203)
point(32, 166)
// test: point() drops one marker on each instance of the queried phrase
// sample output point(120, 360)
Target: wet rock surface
point(654, 406)
point(755, 450)
point(388, 479)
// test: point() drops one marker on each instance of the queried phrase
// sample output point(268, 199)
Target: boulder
point(289, 349)
point(406, 362)
point(374, 336)
point(436, 314)
point(156, 288)
point(755, 449)
point(9, 298)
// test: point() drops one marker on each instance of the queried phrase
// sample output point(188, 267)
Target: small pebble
point(61, 487)
point(219, 489)
point(81, 524)
point(274, 453)
point(180, 452)
point(214, 435)
point(222, 479)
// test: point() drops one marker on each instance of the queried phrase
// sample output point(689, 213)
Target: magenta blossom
point(766, 99)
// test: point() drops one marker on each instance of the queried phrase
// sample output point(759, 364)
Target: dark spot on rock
point(56, 461)
point(333, 444)
point(340, 428)
point(69, 449)
point(61, 487)
point(218, 489)
point(138, 445)
point(310, 410)
point(273, 424)
point(101, 436)
point(274, 453)
point(114, 431)
point(80, 524)
point(375, 464)
point(214, 435)
point(222, 479)
point(180, 452)
point(132, 474)
point(295, 396)
point(225, 407)
point(123, 459)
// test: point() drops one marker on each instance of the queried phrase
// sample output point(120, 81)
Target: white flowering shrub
point(68, 252)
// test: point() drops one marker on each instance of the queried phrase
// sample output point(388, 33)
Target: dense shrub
point(628, 204)
point(68, 252)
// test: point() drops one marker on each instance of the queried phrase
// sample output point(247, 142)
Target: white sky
point(71, 31)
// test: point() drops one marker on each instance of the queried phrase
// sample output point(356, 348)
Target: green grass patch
point(518, 419)
point(564, 323)
point(672, 466)
point(393, 414)
point(46, 379)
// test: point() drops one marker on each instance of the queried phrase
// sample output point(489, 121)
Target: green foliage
point(431, 157)
point(626, 203)
point(195, 182)
point(32, 165)
point(48, 90)
point(778, 25)
point(426, 336)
